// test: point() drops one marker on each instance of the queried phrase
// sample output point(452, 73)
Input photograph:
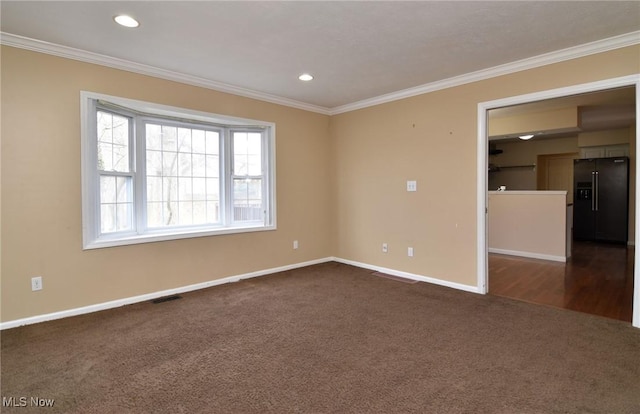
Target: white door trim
point(482, 156)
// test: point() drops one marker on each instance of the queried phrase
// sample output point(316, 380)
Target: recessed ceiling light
point(305, 77)
point(126, 21)
point(526, 137)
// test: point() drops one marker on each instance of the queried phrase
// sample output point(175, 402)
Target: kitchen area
point(561, 182)
point(594, 126)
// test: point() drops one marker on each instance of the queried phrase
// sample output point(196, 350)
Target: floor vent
point(396, 278)
point(166, 299)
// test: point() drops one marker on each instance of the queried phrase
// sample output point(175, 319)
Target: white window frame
point(141, 111)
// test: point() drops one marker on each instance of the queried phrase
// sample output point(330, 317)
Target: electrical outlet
point(385, 248)
point(295, 244)
point(410, 251)
point(36, 283)
point(412, 185)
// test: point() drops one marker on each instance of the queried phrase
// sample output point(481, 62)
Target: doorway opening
point(596, 273)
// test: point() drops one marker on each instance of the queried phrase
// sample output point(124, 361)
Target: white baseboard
point(529, 255)
point(412, 276)
point(154, 295)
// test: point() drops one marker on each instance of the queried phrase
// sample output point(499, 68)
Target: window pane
point(153, 137)
point(240, 164)
point(254, 165)
point(107, 189)
point(105, 156)
point(213, 189)
point(247, 199)
point(154, 163)
point(240, 142)
point(170, 213)
point(185, 216)
point(184, 189)
point(154, 214)
point(107, 218)
point(198, 141)
point(170, 189)
point(188, 156)
point(254, 190)
point(184, 140)
point(240, 190)
point(116, 203)
point(124, 216)
point(247, 153)
point(254, 143)
point(124, 191)
point(169, 138)
point(113, 142)
point(198, 162)
point(212, 143)
point(154, 189)
point(120, 130)
point(212, 165)
point(199, 189)
point(170, 164)
point(213, 211)
point(121, 158)
point(184, 165)
point(105, 131)
point(199, 212)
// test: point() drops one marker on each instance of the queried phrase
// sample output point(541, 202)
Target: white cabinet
point(605, 151)
point(592, 152)
point(617, 151)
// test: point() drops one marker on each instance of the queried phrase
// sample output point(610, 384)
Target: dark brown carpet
point(329, 338)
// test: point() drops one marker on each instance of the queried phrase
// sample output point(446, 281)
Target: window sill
point(174, 235)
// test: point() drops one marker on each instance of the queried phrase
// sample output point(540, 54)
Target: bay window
point(152, 172)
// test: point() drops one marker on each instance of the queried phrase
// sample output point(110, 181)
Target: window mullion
point(91, 205)
point(227, 178)
point(265, 179)
point(140, 181)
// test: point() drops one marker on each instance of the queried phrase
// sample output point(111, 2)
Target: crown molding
point(34, 45)
point(599, 46)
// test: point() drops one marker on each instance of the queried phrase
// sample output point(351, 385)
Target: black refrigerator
point(601, 199)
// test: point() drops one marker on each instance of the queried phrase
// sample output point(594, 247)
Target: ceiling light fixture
point(305, 77)
point(126, 21)
point(526, 137)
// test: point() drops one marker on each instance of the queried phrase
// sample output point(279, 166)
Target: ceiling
point(356, 51)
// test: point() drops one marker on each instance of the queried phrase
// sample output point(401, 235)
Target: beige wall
point(41, 210)
point(609, 137)
point(431, 138)
point(528, 223)
point(376, 151)
point(525, 153)
point(341, 182)
point(556, 119)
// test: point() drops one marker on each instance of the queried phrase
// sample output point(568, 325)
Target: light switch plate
point(412, 185)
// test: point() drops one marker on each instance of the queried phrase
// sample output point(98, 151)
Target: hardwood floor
point(597, 279)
